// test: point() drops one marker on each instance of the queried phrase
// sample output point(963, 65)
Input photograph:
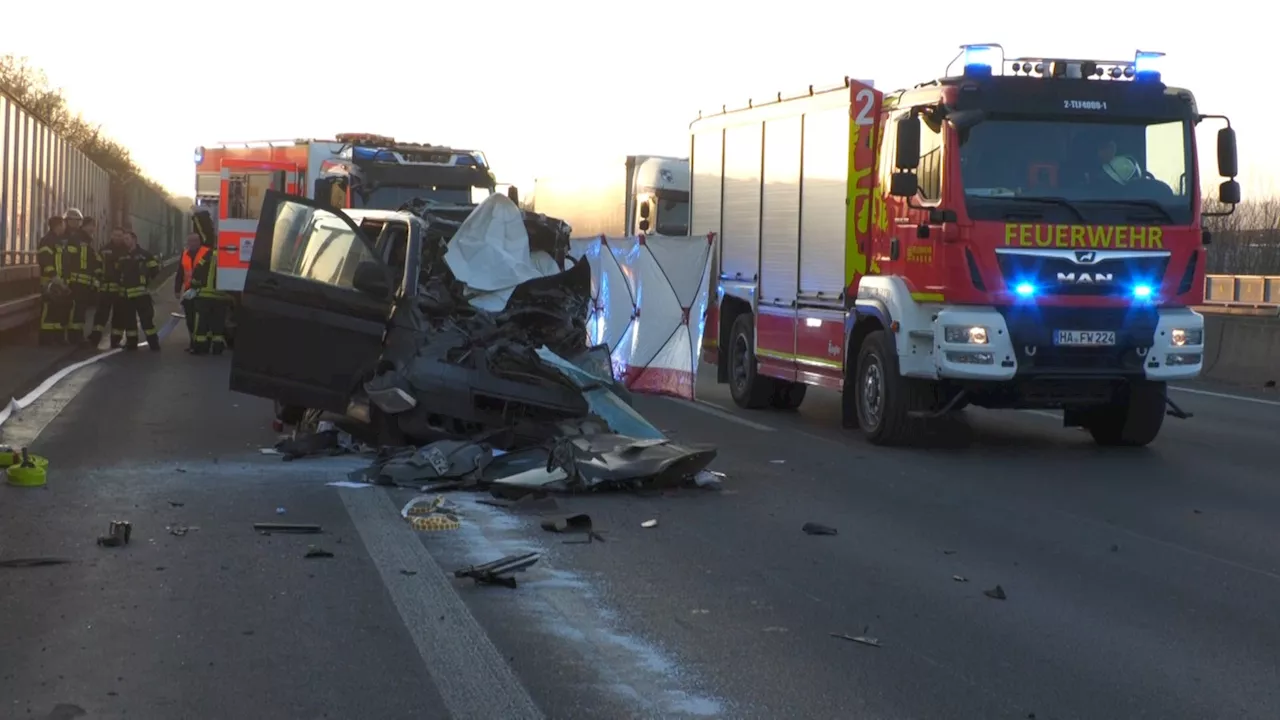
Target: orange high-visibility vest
point(189, 265)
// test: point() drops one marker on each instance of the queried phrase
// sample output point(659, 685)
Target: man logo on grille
point(1086, 256)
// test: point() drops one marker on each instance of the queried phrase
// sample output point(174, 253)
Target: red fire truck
point(353, 170)
point(1025, 233)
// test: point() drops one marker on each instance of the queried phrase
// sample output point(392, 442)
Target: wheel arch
point(868, 317)
point(731, 307)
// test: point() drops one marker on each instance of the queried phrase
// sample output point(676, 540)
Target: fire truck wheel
point(787, 395)
point(748, 389)
point(884, 397)
point(1134, 419)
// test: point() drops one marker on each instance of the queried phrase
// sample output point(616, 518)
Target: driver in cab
point(1118, 169)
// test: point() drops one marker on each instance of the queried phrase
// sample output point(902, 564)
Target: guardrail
point(16, 314)
point(1242, 291)
point(23, 311)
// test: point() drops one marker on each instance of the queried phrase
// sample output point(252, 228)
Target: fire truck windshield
point(391, 197)
point(1091, 171)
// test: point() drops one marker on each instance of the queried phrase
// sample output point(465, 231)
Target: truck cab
point(1026, 233)
point(659, 196)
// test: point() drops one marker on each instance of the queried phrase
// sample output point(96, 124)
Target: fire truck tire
point(883, 396)
point(749, 390)
point(1134, 419)
point(787, 395)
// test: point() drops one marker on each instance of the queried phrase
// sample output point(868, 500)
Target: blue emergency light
point(979, 60)
point(1142, 291)
point(1146, 66)
point(1025, 289)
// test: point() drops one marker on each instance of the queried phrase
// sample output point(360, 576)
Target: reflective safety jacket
point(51, 256)
point(135, 270)
point(108, 273)
point(190, 261)
point(81, 262)
point(204, 273)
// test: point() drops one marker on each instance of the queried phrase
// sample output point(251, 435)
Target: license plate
point(1085, 338)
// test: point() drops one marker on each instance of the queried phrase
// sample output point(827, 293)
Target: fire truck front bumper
point(987, 343)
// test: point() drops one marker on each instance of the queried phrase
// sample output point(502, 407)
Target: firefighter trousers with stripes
point(135, 311)
point(55, 313)
point(209, 326)
point(83, 297)
point(103, 314)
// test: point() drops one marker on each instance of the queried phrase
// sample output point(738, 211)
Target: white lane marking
point(1226, 396)
point(473, 678)
point(711, 408)
point(35, 416)
point(17, 405)
point(1044, 413)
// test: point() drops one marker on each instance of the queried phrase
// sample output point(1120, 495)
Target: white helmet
point(73, 214)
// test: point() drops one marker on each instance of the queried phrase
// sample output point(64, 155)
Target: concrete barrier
point(1242, 349)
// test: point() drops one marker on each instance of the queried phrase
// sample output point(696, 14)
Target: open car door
point(314, 309)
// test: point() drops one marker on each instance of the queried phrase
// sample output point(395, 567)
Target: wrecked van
point(384, 317)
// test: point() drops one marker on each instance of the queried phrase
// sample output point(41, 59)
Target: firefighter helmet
point(74, 214)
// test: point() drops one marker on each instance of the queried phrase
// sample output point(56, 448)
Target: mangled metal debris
point(497, 572)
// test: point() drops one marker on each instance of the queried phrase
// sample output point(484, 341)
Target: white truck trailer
point(641, 194)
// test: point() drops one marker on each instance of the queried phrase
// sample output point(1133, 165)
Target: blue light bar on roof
point(1146, 65)
point(980, 60)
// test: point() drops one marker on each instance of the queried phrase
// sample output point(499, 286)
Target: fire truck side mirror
point(644, 226)
point(1229, 193)
point(907, 155)
point(1228, 164)
point(644, 209)
point(904, 185)
point(513, 192)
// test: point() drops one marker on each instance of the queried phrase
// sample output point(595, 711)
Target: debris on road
point(174, 503)
point(812, 528)
point(314, 551)
point(118, 533)
point(709, 479)
point(959, 578)
point(33, 562)
point(995, 593)
point(649, 524)
point(862, 639)
point(580, 522)
point(497, 572)
point(179, 530)
point(431, 514)
point(267, 528)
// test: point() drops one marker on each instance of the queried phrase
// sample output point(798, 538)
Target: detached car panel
point(314, 309)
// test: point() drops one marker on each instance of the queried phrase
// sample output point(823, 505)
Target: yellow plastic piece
point(28, 476)
point(434, 523)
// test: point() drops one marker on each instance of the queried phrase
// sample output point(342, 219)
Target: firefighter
point(55, 303)
point(136, 267)
point(191, 257)
point(108, 291)
point(207, 304)
point(81, 263)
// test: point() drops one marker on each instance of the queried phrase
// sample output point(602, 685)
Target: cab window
point(245, 191)
point(317, 245)
point(930, 170)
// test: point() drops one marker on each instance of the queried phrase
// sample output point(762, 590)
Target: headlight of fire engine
point(1179, 337)
point(965, 335)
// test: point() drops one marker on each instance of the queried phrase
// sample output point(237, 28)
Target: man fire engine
point(353, 170)
point(1026, 235)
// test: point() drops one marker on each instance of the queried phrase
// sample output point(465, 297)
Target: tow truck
point(1025, 233)
point(352, 170)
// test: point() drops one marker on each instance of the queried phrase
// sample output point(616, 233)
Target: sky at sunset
point(541, 85)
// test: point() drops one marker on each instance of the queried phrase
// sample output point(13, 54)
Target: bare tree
point(1246, 242)
point(30, 87)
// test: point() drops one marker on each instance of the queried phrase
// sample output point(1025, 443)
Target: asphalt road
point(1138, 584)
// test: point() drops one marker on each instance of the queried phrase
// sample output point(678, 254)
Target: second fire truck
point(353, 170)
point(1023, 234)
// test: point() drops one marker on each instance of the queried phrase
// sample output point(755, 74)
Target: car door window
point(317, 245)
